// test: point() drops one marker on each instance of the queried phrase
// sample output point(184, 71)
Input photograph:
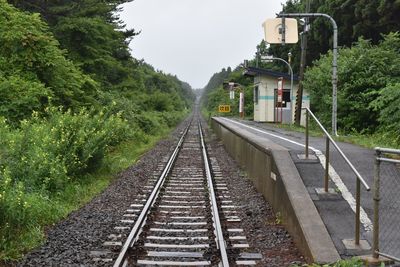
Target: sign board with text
point(224, 108)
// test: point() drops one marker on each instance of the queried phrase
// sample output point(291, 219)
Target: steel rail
point(134, 234)
point(217, 223)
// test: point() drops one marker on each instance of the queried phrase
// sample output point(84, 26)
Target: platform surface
point(337, 207)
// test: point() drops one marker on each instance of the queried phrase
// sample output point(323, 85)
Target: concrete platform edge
point(274, 174)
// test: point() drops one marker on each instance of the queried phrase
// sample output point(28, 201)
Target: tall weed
point(43, 156)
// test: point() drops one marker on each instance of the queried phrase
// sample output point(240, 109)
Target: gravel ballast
point(70, 242)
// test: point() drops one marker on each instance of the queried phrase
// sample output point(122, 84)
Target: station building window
point(255, 94)
point(285, 98)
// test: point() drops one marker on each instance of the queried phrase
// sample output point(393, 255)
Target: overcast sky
point(193, 39)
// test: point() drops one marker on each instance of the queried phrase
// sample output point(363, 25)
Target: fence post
point(326, 164)
point(306, 134)
point(375, 238)
point(358, 203)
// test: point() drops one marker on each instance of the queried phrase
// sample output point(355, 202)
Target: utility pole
point(299, 96)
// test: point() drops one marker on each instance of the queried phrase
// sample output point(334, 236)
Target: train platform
point(336, 207)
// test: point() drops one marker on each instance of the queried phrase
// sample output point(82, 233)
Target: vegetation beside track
point(71, 116)
point(354, 262)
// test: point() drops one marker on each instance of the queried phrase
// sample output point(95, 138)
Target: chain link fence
point(387, 203)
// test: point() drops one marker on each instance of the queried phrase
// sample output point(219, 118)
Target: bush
point(172, 118)
point(19, 97)
point(388, 106)
point(30, 55)
point(47, 153)
point(20, 210)
point(39, 160)
point(364, 71)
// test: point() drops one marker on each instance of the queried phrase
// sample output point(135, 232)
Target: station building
point(266, 105)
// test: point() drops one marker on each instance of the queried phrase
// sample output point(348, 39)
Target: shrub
point(39, 160)
point(388, 106)
point(172, 118)
point(20, 210)
point(364, 71)
point(47, 153)
point(29, 54)
point(19, 97)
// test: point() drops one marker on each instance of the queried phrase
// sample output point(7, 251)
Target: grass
point(365, 140)
point(52, 210)
point(354, 262)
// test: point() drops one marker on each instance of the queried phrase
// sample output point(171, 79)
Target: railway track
point(185, 216)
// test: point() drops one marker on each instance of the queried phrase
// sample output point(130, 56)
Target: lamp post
point(271, 58)
point(334, 61)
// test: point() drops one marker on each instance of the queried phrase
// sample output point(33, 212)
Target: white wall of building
point(264, 110)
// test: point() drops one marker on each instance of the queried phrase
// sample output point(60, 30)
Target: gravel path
point(69, 243)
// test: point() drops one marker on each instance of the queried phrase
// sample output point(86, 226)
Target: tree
point(29, 54)
point(355, 19)
point(92, 34)
point(364, 71)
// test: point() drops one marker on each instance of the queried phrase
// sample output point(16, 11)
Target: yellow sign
point(224, 108)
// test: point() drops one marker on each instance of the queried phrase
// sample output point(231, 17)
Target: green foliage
point(29, 54)
point(19, 97)
point(45, 163)
point(91, 32)
point(218, 97)
point(388, 106)
point(47, 153)
point(354, 18)
point(42, 158)
point(20, 210)
point(63, 111)
point(215, 95)
point(342, 263)
point(364, 71)
point(94, 39)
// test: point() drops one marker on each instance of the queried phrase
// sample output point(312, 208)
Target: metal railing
point(359, 179)
point(389, 219)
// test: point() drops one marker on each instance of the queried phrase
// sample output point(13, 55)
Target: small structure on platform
point(272, 104)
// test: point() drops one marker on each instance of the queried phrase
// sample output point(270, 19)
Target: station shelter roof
point(254, 71)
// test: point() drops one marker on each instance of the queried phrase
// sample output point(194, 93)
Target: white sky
point(194, 39)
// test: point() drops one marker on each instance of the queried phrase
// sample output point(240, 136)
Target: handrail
point(339, 150)
point(359, 180)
